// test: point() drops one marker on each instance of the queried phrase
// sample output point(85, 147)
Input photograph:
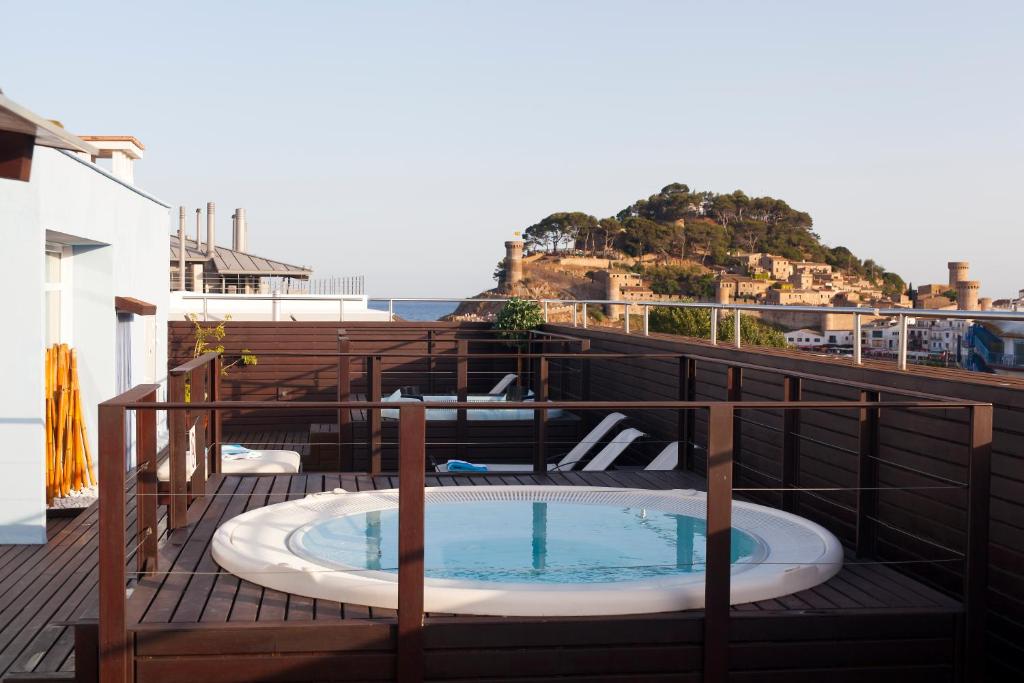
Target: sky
point(405, 141)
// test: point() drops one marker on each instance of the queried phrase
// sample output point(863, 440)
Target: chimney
point(199, 236)
point(211, 225)
point(122, 150)
point(240, 239)
point(181, 248)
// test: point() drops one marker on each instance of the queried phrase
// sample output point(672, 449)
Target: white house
point(86, 260)
point(804, 338)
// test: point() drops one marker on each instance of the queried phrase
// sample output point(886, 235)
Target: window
point(832, 339)
point(876, 334)
point(52, 291)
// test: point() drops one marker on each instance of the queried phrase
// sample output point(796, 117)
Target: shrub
point(696, 322)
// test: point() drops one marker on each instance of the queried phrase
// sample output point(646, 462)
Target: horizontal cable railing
point(720, 442)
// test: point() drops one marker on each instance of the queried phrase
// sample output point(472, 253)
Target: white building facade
point(76, 239)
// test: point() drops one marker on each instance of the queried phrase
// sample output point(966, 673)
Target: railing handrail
point(272, 297)
point(197, 362)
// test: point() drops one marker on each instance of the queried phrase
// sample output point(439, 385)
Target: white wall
point(22, 417)
point(120, 239)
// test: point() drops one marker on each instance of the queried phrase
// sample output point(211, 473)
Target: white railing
point(902, 315)
point(279, 303)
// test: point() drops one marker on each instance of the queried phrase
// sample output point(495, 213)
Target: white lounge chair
point(570, 459)
point(254, 462)
point(667, 459)
point(503, 385)
point(607, 455)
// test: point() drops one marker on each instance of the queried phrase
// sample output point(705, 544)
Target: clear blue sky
point(406, 141)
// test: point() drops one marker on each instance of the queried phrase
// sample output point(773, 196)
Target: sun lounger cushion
point(264, 462)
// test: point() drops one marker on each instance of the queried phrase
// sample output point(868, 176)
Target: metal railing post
point(857, 341)
point(341, 309)
point(206, 310)
point(736, 332)
point(584, 315)
point(625, 318)
point(575, 316)
point(714, 326)
point(719, 536)
point(546, 311)
point(411, 501)
point(391, 310)
point(902, 358)
point(275, 311)
point(647, 320)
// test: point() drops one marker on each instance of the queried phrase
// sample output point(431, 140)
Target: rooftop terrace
point(913, 472)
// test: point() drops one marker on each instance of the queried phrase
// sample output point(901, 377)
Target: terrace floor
point(193, 621)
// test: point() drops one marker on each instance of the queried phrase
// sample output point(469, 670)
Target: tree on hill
point(562, 230)
point(700, 225)
point(642, 236)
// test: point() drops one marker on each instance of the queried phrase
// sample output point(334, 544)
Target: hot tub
point(525, 550)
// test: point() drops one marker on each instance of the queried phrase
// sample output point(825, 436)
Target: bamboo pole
point(69, 465)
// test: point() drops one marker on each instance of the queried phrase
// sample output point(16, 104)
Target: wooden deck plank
point(225, 589)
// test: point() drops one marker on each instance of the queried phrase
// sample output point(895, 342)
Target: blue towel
point(463, 466)
point(233, 449)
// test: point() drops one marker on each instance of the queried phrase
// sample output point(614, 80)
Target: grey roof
point(18, 119)
point(231, 262)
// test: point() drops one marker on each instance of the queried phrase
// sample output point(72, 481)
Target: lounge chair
point(503, 385)
point(254, 462)
point(667, 459)
point(607, 455)
point(570, 459)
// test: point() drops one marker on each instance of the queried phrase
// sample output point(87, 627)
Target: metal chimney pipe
point(211, 225)
point(199, 236)
point(241, 237)
point(181, 248)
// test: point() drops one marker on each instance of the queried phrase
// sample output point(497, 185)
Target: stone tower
point(967, 294)
point(513, 262)
point(725, 291)
point(986, 303)
point(957, 272)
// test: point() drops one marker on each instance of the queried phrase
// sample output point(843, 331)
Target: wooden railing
point(115, 654)
point(195, 380)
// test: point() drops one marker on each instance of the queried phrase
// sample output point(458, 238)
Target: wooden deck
point(45, 590)
point(193, 621)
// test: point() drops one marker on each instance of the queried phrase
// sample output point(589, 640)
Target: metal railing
point(275, 299)
point(902, 315)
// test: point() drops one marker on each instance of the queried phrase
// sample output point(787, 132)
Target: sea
point(416, 310)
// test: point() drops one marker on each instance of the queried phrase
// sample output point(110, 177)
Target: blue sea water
point(416, 310)
point(523, 542)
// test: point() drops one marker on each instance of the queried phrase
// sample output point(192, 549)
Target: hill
point(703, 227)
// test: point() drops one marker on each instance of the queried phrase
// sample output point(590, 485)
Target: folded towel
point(463, 466)
point(234, 451)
